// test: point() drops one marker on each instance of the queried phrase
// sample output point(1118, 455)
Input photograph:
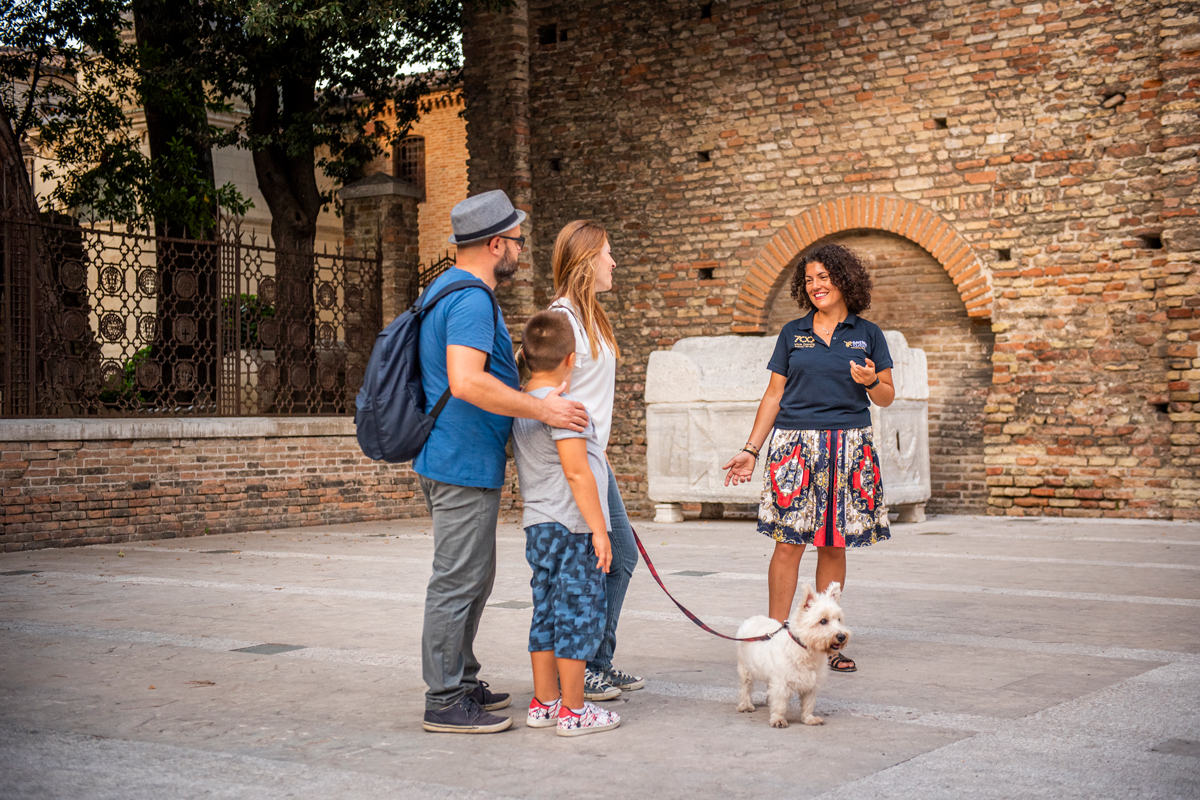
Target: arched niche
point(905, 218)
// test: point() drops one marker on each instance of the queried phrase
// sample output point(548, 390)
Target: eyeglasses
point(520, 240)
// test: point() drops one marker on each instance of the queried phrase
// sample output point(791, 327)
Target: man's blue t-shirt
point(820, 394)
point(466, 445)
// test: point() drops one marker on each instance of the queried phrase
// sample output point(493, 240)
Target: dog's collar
point(788, 628)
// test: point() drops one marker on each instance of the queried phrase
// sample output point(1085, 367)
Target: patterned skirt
point(822, 488)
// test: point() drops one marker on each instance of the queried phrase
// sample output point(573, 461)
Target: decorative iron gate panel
point(130, 324)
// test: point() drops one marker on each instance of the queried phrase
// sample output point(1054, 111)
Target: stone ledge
point(379, 185)
point(46, 430)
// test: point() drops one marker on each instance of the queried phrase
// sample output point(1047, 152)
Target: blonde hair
point(575, 252)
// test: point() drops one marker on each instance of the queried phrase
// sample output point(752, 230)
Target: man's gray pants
point(464, 569)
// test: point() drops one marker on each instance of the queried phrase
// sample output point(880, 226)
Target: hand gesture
point(740, 468)
point(603, 550)
point(560, 413)
point(864, 375)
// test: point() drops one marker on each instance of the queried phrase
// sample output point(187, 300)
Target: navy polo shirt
point(820, 394)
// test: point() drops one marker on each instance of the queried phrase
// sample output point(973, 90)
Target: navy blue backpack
point(390, 419)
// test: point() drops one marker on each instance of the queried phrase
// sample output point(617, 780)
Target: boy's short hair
point(548, 340)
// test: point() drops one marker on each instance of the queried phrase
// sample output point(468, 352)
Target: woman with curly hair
point(821, 481)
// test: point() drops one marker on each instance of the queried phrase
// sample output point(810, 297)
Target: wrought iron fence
point(427, 274)
point(105, 322)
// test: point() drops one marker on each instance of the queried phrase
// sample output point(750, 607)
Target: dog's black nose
point(841, 637)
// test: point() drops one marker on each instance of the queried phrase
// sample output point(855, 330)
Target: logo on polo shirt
point(804, 341)
point(859, 344)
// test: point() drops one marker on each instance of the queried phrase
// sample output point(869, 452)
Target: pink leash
point(650, 565)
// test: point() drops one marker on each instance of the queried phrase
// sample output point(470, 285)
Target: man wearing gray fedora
point(461, 467)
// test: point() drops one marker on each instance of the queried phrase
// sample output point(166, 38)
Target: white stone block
point(710, 369)
point(686, 446)
point(901, 433)
point(668, 512)
point(910, 374)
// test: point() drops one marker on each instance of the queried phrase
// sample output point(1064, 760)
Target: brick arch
point(896, 215)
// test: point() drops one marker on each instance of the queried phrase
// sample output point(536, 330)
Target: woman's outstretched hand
point(863, 375)
point(740, 468)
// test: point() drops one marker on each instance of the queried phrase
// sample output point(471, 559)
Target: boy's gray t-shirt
point(544, 488)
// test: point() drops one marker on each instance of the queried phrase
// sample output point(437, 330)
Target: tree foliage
point(72, 79)
point(329, 69)
point(311, 81)
point(316, 76)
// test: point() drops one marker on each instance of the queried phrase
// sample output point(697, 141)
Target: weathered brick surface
point(496, 77)
point(376, 221)
point(1064, 133)
point(74, 493)
point(64, 494)
point(445, 132)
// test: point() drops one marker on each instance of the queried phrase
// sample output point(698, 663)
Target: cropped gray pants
point(464, 569)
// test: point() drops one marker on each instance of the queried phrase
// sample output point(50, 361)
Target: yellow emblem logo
point(804, 341)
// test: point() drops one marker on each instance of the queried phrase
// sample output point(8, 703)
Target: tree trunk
point(185, 344)
point(288, 183)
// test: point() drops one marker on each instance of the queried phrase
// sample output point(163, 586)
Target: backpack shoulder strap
point(422, 306)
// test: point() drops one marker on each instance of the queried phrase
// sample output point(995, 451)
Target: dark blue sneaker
point(490, 700)
point(465, 716)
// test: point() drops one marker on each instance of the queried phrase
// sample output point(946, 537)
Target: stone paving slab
point(997, 658)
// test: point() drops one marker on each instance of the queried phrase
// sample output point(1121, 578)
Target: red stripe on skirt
point(839, 539)
point(829, 535)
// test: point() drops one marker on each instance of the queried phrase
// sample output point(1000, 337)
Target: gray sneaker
point(623, 680)
point(465, 716)
point(595, 687)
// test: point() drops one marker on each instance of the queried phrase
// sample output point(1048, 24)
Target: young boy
point(564, 484)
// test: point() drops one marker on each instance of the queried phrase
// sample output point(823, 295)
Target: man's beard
point(506, 268)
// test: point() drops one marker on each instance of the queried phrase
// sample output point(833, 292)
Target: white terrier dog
point(794, 660)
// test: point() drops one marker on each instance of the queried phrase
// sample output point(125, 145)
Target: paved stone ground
point(997, 658)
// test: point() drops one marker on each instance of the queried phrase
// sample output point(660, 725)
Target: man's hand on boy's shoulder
point(559, 412)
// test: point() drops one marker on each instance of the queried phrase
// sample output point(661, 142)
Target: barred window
point(409, 158)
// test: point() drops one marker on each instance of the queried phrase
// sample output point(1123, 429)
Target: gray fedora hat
point(482, 216)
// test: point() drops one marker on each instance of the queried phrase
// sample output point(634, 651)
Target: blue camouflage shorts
point(568, 592)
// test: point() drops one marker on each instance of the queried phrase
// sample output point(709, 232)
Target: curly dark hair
point(847, 271)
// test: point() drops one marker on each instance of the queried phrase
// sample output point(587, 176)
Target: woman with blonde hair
point(583, 268)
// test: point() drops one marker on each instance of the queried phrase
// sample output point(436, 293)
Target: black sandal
point(837, 664)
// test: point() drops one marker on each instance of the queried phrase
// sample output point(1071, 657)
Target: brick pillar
point(1177, 270)
point(381, 212)
point(496, 88)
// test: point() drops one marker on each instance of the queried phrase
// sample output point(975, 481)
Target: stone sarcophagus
point(701, 397)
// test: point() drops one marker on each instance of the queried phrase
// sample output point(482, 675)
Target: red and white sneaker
point(541, 715)
point(593, 720)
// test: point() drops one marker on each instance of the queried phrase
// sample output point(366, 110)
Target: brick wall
point(496, 78)
point(62, 492)
point(914, 295)
point(129, 480)
point(1052, 147)
point(380, 215)
point(445, 133)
